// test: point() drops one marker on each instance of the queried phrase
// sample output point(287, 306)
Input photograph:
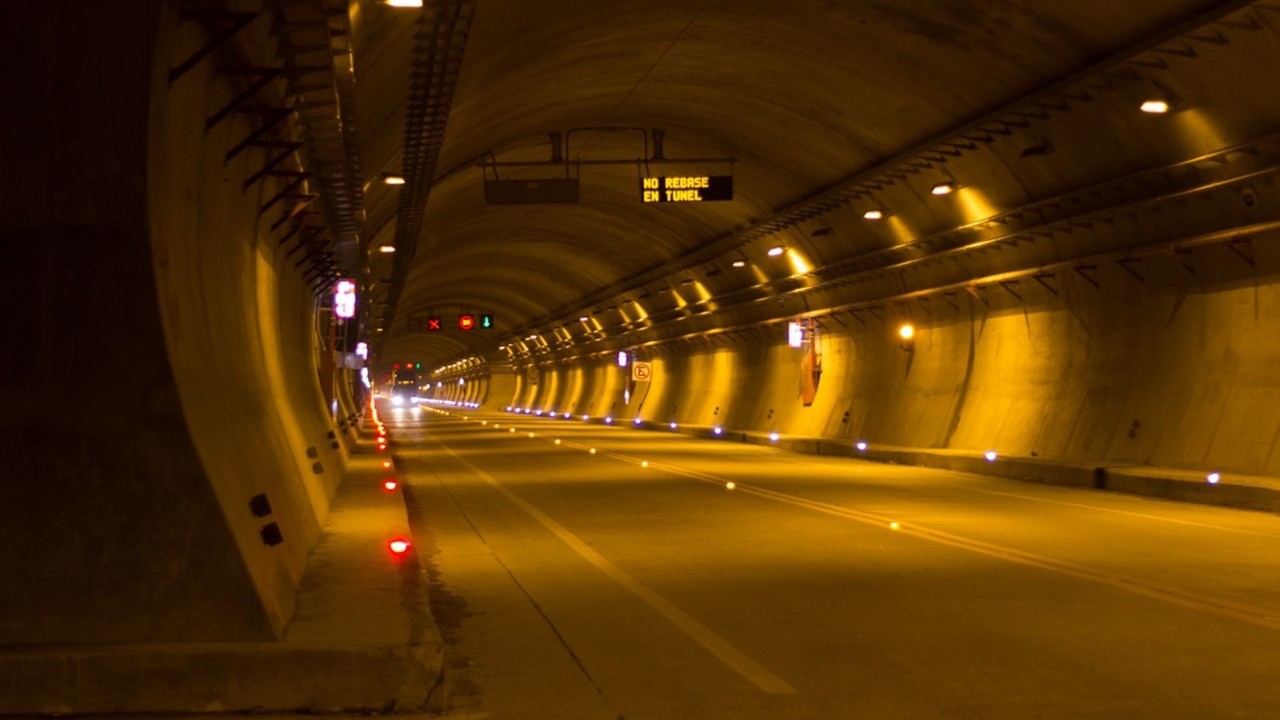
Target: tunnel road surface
point(634, 582)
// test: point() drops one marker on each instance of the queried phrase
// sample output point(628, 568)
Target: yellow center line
point(716, 645)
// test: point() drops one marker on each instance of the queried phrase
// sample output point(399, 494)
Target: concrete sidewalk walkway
point(362, 638)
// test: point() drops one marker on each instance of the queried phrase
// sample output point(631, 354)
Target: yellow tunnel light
point(776, 250)
point(907, 331)
point(739, 263)
point(874, 214)
point(943, 188)
point(386, 249)
point(405, 3)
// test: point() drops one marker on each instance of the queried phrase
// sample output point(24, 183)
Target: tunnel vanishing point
point(920, 231)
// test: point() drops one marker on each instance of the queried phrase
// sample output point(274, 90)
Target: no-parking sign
point(641, 371)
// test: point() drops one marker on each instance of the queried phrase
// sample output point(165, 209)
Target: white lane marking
point(716, 645)
point(1197, 601)
point(1084, 506)
point(1204, 603)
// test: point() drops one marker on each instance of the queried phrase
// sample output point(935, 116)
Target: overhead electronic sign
point(687, 188)
point(344, 299)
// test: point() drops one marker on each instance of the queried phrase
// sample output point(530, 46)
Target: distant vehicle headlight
point(397, 400)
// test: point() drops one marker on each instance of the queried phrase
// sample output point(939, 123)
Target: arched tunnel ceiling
point(803, 94)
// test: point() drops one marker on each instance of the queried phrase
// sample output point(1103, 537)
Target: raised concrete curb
point(362, 638)
point(217, 678)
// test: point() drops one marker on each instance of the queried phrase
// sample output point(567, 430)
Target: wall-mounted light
point(405, 3)
point(874, 214)
point(907, 331)
point(386, 248)
point(776, 250)
point(394, 178)
point(944, 188)
point(739, 263)
point(1155, 106)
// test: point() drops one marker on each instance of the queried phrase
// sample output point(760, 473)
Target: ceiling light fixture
point(943, 188)
point(874, 214)
point(405, 3)
point(392, 178)
point(776, 250)
point(739, 263)
point(386, 248)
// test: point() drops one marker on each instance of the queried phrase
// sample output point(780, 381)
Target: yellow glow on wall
point(1198, 132)
point(974, 204)
point(640, 311)
point(703, 293)
point(898, 228)
point(800, 264)
point(681, 303)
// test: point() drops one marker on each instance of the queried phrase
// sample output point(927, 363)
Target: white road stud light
point(718, 430)
point(644, 463)
point(990, 455)
point(894, 525)
point(773, 436)
point(730, 485)
point(592, 451)
point(557, 441)
point(1213, 478)
point(862, 446)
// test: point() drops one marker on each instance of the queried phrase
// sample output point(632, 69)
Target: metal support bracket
point(265, 77)
point(239, 21)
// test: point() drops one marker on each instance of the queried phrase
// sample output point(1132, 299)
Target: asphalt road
point(578, 585)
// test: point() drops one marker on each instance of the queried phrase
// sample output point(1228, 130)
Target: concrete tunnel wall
point(1173, 370)
point(174, 373)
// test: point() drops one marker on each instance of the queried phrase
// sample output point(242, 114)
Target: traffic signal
point(433, 324)
point(486, 321)
point(466, 322)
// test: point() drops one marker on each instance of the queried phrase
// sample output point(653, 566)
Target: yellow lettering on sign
point(683, 196)
point(682, 183)
point(651, 196)
point(651, 183)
